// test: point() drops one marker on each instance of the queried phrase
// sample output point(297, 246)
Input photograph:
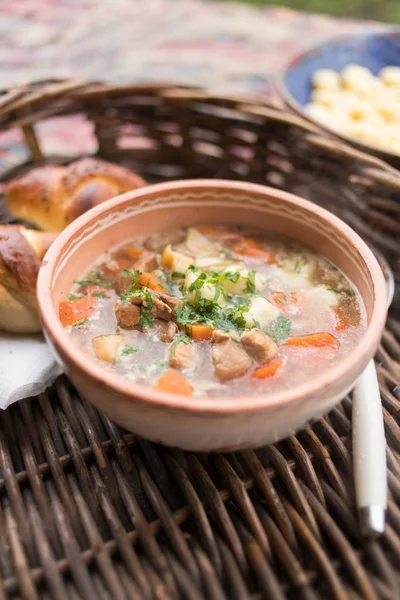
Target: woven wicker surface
point(88, 510)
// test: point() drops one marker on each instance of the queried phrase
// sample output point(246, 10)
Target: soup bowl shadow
point(201, 423)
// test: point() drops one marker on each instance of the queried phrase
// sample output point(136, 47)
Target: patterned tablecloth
point(226, 47)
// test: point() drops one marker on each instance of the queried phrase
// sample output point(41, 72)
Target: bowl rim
point(283, 91)
point(221, 405)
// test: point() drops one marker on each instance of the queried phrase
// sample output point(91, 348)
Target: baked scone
point(51, 197)
point(21, 251)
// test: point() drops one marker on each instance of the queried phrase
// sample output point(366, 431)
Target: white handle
point(369, 451)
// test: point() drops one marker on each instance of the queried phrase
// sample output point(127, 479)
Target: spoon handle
point(369, 452)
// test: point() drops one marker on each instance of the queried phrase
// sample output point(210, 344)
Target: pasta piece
point(390, 76)
point(326, 79)
point(359, 79)
point(367, 132)
point(389, 111)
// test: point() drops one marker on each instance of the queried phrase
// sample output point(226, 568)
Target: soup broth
point(212, 311)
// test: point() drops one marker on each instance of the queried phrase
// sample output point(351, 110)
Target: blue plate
point(373, 50)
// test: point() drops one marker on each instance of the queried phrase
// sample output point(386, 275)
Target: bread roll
point(21, 250)
point(51, 197)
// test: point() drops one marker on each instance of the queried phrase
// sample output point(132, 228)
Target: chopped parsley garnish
point(165, 280)
point(93, 278)
point(134, 275)
point(227, 254)
point(298, 265)
point(101, 295)
point(184, 315)
point(81, 323)
point(251, 282)
point(182, 338)
point(145, 317)
point(129, 349)
point(281, 329)
point(74, 297)
point(178, 275)
point(334, 290)
point(232, 276)
point(159, 363)
point(228, 317)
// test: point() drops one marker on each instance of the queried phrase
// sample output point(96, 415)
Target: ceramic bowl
point(208, 424)
point(373, 50)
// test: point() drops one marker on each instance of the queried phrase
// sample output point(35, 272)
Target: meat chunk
point(110, 270)
point(127, 314)
point(348, 310)
point(323, 274)
point(261, 347)
point(122, 285)
point(165, 330)
point(182, 356)
point(164, 306)
point(230, 359)
point(172, 301)
point(221, 336)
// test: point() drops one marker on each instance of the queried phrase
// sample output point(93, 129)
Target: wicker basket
point(89, 511)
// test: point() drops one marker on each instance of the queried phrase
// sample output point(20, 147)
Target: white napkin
point(27, 367)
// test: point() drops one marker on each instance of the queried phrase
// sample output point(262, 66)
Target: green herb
point(281, 299)
point(232, 276)
point(217, 292)
point(227, 254)
point(178, 275)
point(196, 286)
point(159, 363)
point(81, 323)
point(184, 315)
point(251, 282)
point(281, 329)
point(145, 318)
point(166, 280)
point(145, 293)
point(298, 266)
point(94, 278)
point(74, 297)
point(182, 338)
point(101, 295)
point(129, 349)
point(334, 290)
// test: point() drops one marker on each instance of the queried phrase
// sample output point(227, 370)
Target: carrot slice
point(151, 281)
point(222, 233)
point(76, 310)
point(134, 253)
point(315, 340)
point(172, 382)
point(199, 332)
point(207, 230)
point(268, 370)
point(250, 249)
